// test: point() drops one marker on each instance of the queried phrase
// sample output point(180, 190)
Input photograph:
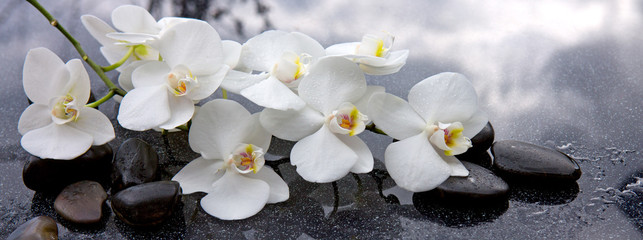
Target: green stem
point(224, 93)
point(120, 62)
point(183, 127)
point(371, 127)
point(97, 68)
point(97, 103)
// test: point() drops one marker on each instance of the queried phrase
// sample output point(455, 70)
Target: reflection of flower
point(164, 92)
point(327, 149)
point(442, 110)
point(232, 143)
point(373, 54)
point(58, 125)
point(282, 59)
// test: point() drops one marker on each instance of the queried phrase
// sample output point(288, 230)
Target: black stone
point(480, 158)
point(81, 202)
point(146, 204)
point(520, 160)
point(41, 227)
point(480, 187)
point(135, 162)
point(51, 175)
point(483, 140)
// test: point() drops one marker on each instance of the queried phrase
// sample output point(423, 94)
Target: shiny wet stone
point(146, 204)
point(41, 227)
point(522, 160)
point(81, 202)
point(51, 175)
point(480, 187)
point(135, 162)
point(483, 140)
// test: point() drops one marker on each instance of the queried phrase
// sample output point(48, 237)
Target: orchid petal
point(181, 111)
point(134, 19)
point(235, 196)
point(44, 76)
point(98, 29)
point(151, 74)
point(322, 157)
point(114, 53)
point(264, 50)
point(218, 127)
point(444, 97)
point(144, 108)
point(257, 135)
point(94, 123)
point(364, 163)
point(271, 93)
point(56, 142)
point(343, 49)
point(331, 82)
point(473, 125)
point(362, 103)
point(394, 116)
point(194, 44)
point(231, 52)
point(34, 117)
point(414, 165)
point(79, 81)
point(236, 81)
point(198, 175)
point(125, 78)
point(457, 168)
point(291, 125)
point(208, 84)
point(279, 191)
point(130, 39)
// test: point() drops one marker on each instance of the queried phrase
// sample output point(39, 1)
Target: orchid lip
point(181, 81)
point(347, 120)
point(449, 137)
point(64, 109)
point(246, 158)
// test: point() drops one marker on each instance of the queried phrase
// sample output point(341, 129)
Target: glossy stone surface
point(525, 160)
point(38, 228)
point(135, 162)
point(146, 204)
point(50, 175)
point(482, 141)
point(479, 188)
point(81, 202)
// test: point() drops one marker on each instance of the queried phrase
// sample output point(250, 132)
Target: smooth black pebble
point(146, 204)
point(522, 160)
point(52, 175)
point(135, 162)
point(41, 227)
point(81, 202)
point(480, 187)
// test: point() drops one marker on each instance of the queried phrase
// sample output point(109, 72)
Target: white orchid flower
point(58, 125)
point(327, 149)
point(231, 167)
point(137, 27)
point(436, 123)
point(164, 92)
point(281, 60)
point(373, 54)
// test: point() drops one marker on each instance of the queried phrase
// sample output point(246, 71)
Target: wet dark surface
point(564, 75)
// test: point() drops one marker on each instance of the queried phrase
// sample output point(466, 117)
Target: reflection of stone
point(135, 162)
point(81, 202)
point(147, 204)
point(632, 198)
point(520, 160)
point(454, 214)
point(51, 176)
point(42, 227)
point(549, 193)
